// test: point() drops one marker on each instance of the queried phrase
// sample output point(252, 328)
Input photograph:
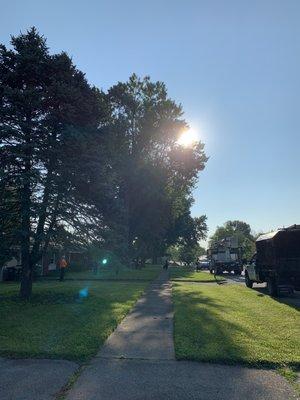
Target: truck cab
point(250, 272)
point(225, 255)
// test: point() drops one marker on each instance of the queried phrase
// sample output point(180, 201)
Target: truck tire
point(248, 281)
point(272, 287)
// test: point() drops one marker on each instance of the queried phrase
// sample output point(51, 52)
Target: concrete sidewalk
point(31, 379)
point(138, 362)
point(147, 332)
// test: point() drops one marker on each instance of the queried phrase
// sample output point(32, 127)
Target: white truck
point(225, 255)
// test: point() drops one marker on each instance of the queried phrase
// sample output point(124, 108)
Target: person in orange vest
point(62, 266)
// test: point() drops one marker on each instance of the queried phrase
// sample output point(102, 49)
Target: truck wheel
point(272, 288)
point(211, 271)
point(248, 281)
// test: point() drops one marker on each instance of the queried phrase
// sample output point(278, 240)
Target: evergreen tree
point(48, 115)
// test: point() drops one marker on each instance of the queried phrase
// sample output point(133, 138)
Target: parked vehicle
point(202, 265)
point(225, 256)
point(277, 261)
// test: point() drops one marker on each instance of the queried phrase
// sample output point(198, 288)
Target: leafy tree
point(187, 253)
point(156, 175)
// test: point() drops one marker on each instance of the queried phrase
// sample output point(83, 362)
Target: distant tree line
point(189, 252)
point(186, 254)
point(94, 168)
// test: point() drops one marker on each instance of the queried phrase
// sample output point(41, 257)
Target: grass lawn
point(69, 320)
point(186, 274)
point(148, 273)
point(232, 324)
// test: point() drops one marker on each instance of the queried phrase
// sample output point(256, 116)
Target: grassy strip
point(148, 273)
point(235, 325)
point(186, 274)
point(68, 320)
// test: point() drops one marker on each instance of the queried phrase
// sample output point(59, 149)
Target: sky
point(234, 65)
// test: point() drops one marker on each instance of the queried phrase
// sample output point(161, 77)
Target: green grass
point(148, 273)
point(58, 323)
point(234, 325)
point(186, 274)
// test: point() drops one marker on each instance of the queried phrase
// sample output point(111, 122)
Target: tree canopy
point(155, 174)
point(102, 169)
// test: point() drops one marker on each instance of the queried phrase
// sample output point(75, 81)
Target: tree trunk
point(26, 283)
point(26, 278)
point(51, 226)
point(154, 259)
point(39, 236)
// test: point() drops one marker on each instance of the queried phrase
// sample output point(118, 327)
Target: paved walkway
point(33, 379)
point(138, 362)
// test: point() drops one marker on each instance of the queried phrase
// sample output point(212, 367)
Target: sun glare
point(188, 138)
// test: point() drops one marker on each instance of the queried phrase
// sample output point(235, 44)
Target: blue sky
point(233, 64)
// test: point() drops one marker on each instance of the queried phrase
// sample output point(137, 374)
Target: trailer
point(276, 262)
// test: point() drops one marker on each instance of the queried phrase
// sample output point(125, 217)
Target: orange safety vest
point(63, 263)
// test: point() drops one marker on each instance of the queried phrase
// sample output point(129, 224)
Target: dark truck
point(277, 261)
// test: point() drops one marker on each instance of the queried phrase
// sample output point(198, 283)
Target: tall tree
point(155, 174)
point(48, 115)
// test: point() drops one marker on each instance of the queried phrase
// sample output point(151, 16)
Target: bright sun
point(187, 138)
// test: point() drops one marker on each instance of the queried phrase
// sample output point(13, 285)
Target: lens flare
point(188, 138)
point(83, 293)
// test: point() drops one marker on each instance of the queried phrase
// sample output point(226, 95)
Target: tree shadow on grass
point(200, 329)
point(292, 300)
point(201, 334)
point(73, 329)
point(43, 298)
